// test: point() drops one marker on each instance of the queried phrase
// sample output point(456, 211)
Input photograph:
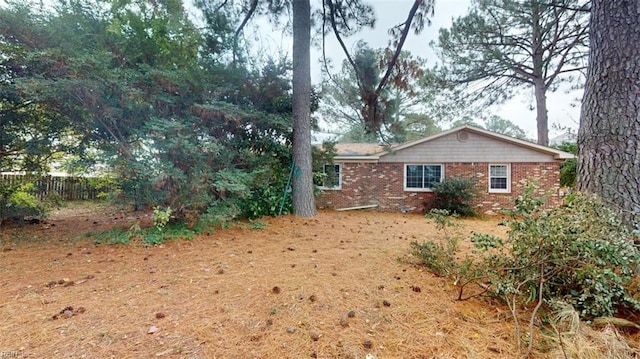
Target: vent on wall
point(463, 136)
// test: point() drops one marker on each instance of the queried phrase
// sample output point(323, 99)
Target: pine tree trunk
point(542, 115)
point(540, 89)
point(302, 187)
point(609, 135)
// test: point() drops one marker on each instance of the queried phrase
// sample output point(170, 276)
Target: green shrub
point(454, 194)
point(152, 235)
point(582, 252)
point(113, 236)
point(161, 217)
point(155, 236)
point(568, 172)
point(220, 214)
point(104, 186)
point(266, 201)
point(579, 253)
point(568, 169)
point(18, 204)
point(438, 258)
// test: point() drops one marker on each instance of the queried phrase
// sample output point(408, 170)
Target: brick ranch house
point(399, 178)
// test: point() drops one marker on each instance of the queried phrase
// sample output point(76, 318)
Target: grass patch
point(112, 236)
point(151, 236)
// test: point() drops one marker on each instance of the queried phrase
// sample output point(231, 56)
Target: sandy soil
point(339, 285)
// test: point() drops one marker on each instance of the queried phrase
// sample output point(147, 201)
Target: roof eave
point(343, 158)
point(564, 156)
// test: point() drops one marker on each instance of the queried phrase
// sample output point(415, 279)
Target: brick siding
point(382, 184)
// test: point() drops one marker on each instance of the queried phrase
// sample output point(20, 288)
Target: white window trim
point(412, 189)
point(339, 186)
point(498, 190)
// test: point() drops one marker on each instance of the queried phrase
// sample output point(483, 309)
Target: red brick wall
point(382, 184)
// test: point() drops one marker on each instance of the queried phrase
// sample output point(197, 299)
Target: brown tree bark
point(538, 76)
point(609, 135)
point(302, 187)
point(542, 115)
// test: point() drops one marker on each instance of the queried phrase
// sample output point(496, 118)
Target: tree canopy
point(400, 110)
point(138, 87)
point(503, 46)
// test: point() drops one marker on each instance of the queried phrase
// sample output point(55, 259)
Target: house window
point(499, 178)
point(422, 177)
point(332, 176)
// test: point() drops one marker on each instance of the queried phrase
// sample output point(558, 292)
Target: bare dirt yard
point(339, 285)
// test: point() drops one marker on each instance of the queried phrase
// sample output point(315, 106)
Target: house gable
point(469, 144)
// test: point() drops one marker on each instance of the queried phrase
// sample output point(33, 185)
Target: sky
point(519, 110)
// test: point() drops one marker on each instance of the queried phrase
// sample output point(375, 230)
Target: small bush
point(455, 195)
point(438, 258)
point(568, 169)
point(220, 214)
point(579, 254)
point(266, 201)
point(18, 204)
point(155, 236)
point(150, 236)
point(258, 225)
point(161, 217)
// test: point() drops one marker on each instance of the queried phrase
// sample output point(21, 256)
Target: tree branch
point(15, 107)
point(252, 9)
point(396, 55)
point(558, 70)
point(584, 8)
point(336, 32)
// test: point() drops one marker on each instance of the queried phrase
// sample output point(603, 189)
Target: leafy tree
point(609, 134)
point(128, 82)
point(501, 46)
point(503, 126)
point(466, 121)
point(568, 169)
point(31, 131)
point(354, 85)
point(375, 107)
point(493, 123)
point(399, 104)
point(303, 198)
point(414, 126)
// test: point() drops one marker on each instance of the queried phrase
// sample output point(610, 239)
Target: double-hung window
point(332, 177)
point(422, 177)
point(500, 178)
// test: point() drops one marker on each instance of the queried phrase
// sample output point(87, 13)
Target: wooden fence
point(66, 188)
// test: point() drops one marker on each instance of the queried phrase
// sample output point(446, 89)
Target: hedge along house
point(400, 178)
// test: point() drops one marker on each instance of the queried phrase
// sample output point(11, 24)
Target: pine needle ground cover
point(339, 285)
